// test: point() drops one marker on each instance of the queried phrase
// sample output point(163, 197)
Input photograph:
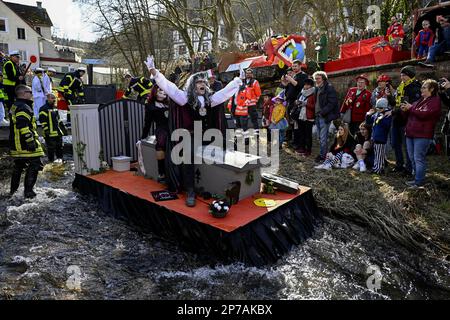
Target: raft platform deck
point(250, 234)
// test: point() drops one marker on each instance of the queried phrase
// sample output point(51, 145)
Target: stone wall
point(342, 81)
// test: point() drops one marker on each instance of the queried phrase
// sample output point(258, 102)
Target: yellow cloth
point(279, 112)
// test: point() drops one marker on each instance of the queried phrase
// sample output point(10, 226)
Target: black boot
point(30, 181)
point(15, 182)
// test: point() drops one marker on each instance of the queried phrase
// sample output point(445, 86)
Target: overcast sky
point(66, 17)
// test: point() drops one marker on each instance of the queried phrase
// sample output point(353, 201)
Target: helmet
point(82, 69)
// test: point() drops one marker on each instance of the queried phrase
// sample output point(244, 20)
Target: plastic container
point(121, 164)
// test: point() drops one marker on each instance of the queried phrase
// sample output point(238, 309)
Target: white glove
point(150, 63)
point(241, 73)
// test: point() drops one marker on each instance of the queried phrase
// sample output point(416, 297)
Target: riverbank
point(416, 219)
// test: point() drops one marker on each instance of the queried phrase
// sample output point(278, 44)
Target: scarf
point(308, 92)
point(380, 93)
point(401, 91)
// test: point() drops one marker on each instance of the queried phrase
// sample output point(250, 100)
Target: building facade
point(17, 34)
point(180, 49)
point(29, 30)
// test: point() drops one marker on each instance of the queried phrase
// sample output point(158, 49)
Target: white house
point(29, 29)
point(17, 34)
point(180, 49)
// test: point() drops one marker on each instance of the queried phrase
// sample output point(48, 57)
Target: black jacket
point(348, 146)
point(412, 94)
point(160, 116)
point(292, 92)
point(50, 121)
point(72, 87)
point(23, 136)
point(329, 104)
point(142, 86)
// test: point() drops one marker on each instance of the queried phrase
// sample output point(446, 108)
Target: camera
point(442, 83)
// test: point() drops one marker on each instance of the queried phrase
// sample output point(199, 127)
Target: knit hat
point(382, 104)
point(410, 71)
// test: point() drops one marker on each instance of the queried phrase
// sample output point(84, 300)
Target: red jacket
point(396, 31)
point(360, 105)
point(311, 107)
point(423, 117)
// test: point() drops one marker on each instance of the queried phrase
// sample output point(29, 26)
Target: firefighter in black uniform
point(26, 149)
point(53, 128)
point(72, 89)
point(142, 86)
point(12, 77)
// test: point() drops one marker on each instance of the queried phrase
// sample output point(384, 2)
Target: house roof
point(34, 16)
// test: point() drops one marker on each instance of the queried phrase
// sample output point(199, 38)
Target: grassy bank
point(417, 219)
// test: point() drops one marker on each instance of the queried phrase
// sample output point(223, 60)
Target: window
point(4, 48)
point(205, 47)
point(176, 36)
point(222, 31)
point(3, 25)
point(23, 55)
point(21, 33)
point(182, 50)
point(64, 69)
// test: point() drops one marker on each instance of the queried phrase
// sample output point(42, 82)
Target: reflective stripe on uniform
point(24, 131)
point(27, 133)
point(23, 114)
point(241, 111)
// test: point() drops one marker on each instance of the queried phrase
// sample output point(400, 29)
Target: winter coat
point(328, 100)
point(423, 117)
point(381, 126)
point(359, 104)
point(309, 109)
point(411, 93)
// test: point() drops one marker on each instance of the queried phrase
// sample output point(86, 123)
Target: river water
point(61, 246)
